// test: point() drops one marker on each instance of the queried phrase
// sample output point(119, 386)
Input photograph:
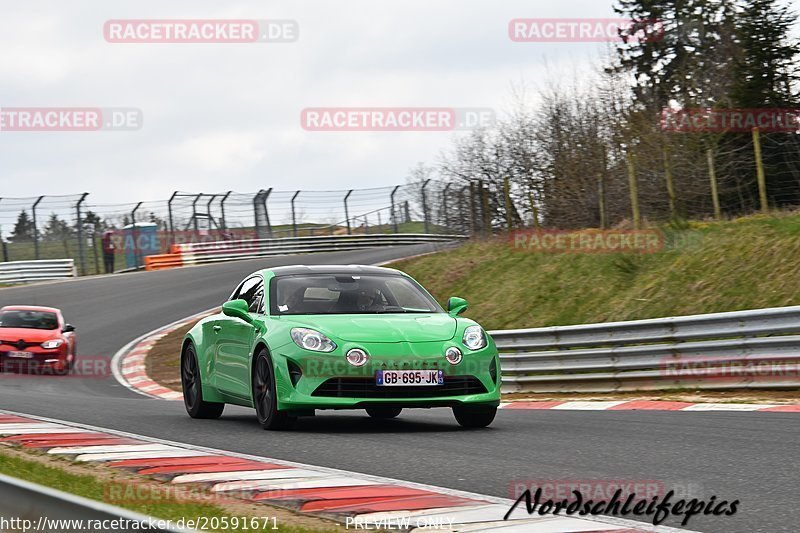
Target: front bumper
point(307, 380)
point(41, 361)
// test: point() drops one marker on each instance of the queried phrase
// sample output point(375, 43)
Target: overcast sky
point(227, 116)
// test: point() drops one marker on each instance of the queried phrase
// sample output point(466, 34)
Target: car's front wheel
point(191, 382)
point(265, 396)
point(384, 411)
point(474, 416)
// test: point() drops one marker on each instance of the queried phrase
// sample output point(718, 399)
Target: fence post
point(223, 222)
point(3, 242)
point(444, 206)
point(194, 212)
point(208, 212)
point(762, 180)
point(294, 218)
point(673, 205)
point(366, 224)
point(256, 204)
point(408, 211)
point(601, 200)
point(394, 210)
point(712, 175)
point(81, 248)
point(36, 228)
point(425, 205)
point(171, 221)
point(346, 212)
point(472, 209)
point(266, 211)
point(135, 236)
point(507, 195)
point(634, 188)
point(487, 217)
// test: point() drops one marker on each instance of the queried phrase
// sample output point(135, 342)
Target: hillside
point(746, 263)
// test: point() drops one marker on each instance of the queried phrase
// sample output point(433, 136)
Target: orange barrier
point(163, 261)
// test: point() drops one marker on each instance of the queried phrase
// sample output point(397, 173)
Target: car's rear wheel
point(265, 396)
point(384, 411)
point(474, 416)
point(192, 384)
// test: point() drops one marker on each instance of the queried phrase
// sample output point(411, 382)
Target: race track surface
point(746, 456)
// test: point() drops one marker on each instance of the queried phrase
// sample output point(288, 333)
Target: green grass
point(93, 488)
point(747, 263)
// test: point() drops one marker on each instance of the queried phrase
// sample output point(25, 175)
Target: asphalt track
point(751, 457)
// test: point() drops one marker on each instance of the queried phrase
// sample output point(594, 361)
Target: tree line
point(569, 160)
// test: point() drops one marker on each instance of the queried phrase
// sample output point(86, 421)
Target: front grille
point(366, 388)
point(19, 345)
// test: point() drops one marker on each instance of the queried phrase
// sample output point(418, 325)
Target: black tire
point(384, 411)
point(265, 398)
point(193, 390)
point(475, 416)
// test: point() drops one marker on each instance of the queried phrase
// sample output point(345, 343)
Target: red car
point(36, 338)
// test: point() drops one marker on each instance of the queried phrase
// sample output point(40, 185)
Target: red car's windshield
point(337, 294)
point(28, 319)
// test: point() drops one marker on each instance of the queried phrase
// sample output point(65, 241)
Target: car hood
point(410, 327)
point(28, 335)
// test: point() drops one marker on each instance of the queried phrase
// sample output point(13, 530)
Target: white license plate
point(21, 355)
point(409, 378)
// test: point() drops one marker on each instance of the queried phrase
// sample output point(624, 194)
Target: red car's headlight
point(52, 344)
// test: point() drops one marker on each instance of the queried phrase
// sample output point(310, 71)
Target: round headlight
point(453, 355)
point(357, 357)
point(474, 338)
point(312, 340)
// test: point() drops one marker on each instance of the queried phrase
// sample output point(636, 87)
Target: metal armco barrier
point(48, 509)
point(741, 349)
point(31, 271)
point(219, 251)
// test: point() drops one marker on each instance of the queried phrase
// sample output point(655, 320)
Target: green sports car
point(294, 339)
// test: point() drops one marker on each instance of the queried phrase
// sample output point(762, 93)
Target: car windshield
point(345, 294)
point(20, 318)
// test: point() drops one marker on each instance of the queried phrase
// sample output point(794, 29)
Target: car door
point(235, 339)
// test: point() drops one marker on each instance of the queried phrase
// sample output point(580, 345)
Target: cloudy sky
point(227, 116)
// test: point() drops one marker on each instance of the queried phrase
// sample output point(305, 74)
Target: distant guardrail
point(741, 349)
point(48, 509)
point(220, 251)
point(15, 272)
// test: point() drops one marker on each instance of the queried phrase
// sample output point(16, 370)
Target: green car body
point(226, 346)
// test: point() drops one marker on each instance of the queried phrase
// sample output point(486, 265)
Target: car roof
point(295, 270)
point(30, 308)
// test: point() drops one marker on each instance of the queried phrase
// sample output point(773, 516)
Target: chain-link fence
point(95, 234)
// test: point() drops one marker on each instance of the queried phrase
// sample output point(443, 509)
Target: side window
point(252, 291)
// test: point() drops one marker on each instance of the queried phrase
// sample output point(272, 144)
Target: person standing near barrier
point(108, 251)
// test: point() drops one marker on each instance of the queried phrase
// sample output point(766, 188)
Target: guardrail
point(44, 507)
point(741, 349)
point(14, 272)
point(220, 251)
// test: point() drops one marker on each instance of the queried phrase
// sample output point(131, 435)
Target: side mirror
point(456, 306)
point(68, 328)
point(237, 309)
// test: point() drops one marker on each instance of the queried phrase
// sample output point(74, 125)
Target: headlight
point(53, 344)
point(474, 338)
point(453, 355)
point(357, 357)
point(310, 339)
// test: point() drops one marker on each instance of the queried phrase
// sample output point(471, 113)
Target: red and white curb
point(128, 364)
point(648, 405)
point(357, 501)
